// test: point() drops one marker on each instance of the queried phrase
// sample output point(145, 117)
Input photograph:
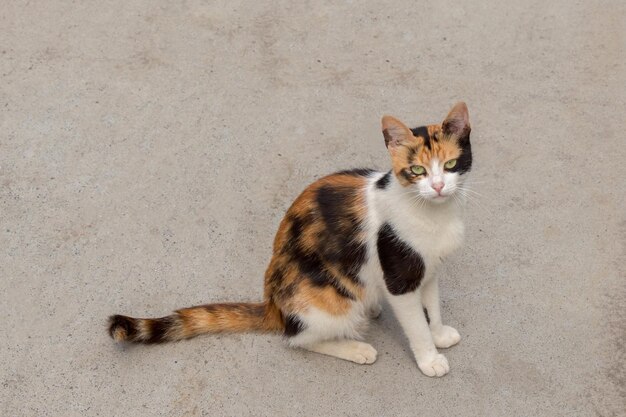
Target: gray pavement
point(148, 150)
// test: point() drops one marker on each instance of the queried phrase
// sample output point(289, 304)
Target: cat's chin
point(440, 199)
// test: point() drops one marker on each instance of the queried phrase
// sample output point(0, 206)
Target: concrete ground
point(148, 150)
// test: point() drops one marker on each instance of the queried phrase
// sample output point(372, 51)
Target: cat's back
point(321, 242)
point(330, 211)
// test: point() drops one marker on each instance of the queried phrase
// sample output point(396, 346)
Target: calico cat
point(347, 239)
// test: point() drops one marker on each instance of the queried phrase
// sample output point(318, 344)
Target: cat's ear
point(395, 132)
point(457, 122)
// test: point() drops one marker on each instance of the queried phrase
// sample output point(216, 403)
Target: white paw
point(435, 366)
point(362, 353)
point(373, 312)
point(445, 337)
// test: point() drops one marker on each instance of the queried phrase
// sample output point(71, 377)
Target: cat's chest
point(433, 239)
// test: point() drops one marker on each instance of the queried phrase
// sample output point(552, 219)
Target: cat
point(346, 240)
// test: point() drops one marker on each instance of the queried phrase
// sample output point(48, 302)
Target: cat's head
point(431, 159)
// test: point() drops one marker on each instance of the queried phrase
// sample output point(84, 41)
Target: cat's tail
point(192, 321)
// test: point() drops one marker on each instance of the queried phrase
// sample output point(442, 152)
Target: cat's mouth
point(440, 198)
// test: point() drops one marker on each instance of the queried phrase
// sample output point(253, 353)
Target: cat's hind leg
point(334, 335)
point(350, 350)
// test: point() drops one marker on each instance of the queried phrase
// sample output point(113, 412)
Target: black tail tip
point(122, 328)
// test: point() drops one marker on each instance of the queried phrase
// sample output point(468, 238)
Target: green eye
point(418, 170)
point(450, 164)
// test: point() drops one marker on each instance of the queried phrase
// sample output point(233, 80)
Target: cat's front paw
point(434, 366)
point(445, 337)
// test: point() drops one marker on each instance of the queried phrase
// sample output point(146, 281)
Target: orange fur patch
point(287, 284)
point(414, 152)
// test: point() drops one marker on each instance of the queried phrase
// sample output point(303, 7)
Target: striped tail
point(192, 321)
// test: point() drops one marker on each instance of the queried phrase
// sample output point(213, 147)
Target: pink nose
point(438, 187)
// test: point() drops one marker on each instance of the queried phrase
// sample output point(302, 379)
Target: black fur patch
point(338, 243)
point(312, 262)
point(464, 161)
point(122, 322)
point(312, 266)
point(332, 201)
point(357, 172)
point(423, 132)
point(387, 136)
point(411, 155)
point(298, 224)
point(158, 329)
point(403, 268)
point(293, 325)
point(384, 181)
point(407, 174)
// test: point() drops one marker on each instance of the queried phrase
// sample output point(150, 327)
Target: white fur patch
point(320, 325)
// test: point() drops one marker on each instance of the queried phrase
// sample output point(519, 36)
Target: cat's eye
point(450, 164)
point(418, 170)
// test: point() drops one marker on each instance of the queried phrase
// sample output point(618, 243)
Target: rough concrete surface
point(148, 150)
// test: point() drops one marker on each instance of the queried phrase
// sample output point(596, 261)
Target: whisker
point(475, 194)
point(470, 190)
point(472, 199)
